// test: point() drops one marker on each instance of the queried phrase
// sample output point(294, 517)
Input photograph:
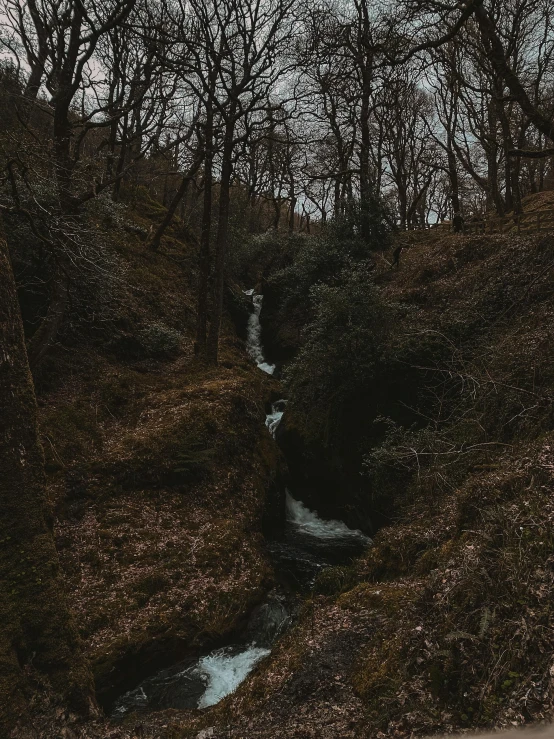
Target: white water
point(308, 522)
point(201, 685)
point(254, 335)
point(273, 419)
point(224, 672)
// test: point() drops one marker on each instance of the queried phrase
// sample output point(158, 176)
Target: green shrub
point(342, 348)
point(159, 341)
point(252, 254)
point(329, 259)
point(191, 457)
point(380, 222)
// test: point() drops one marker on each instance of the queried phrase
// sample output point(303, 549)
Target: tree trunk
point(204, 276)
point(222, 237)
point(507, 145)
point(179, 195)
point(494, 198)
point(365, 63)
point(292, 210)
point(110, 158)
point(275, 200)
point(63, 164)
point(516, 169)
point(46, 333)
point(455, 190)
point(337, 203)
point(402, 205)
point(36, 631)
point(121, 159)
point(292, 193)
point(496, 54)
point(276, 213)
point(365, 185)
point(252, 187)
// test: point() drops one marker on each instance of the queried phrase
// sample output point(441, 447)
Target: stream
point(308, 545)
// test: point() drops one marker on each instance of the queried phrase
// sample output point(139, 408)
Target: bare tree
point(234, 48)
point(99, 75)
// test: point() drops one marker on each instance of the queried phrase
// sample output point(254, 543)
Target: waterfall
point(254, 335)
point(224, 672)
point(204, 682)
point(308, 522)
point(273, 419)
point(225, 669)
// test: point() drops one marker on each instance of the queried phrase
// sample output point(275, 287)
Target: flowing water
point(203, 682)
point(254, 334)
point(273, 419)
point(226, 671)
point(308, 545)
point(307, 523)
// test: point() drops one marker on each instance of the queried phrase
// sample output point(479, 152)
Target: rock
point(206, 733)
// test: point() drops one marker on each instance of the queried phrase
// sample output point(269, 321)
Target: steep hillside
point(158, 472)
point(157, 466)
point(446, 624)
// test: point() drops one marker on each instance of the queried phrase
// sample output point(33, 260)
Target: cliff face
point(446, 623)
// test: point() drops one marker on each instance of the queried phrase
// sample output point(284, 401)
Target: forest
point(276, 368)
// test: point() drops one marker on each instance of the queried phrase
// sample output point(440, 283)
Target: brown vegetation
point(157, 470)
point(446, 623)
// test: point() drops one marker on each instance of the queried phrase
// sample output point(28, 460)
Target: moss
point(378, 680)
point(178, 454)
point(434, 557)
point(145, 204)
point(383, 597)
point(335, 580)
point(191, 457)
